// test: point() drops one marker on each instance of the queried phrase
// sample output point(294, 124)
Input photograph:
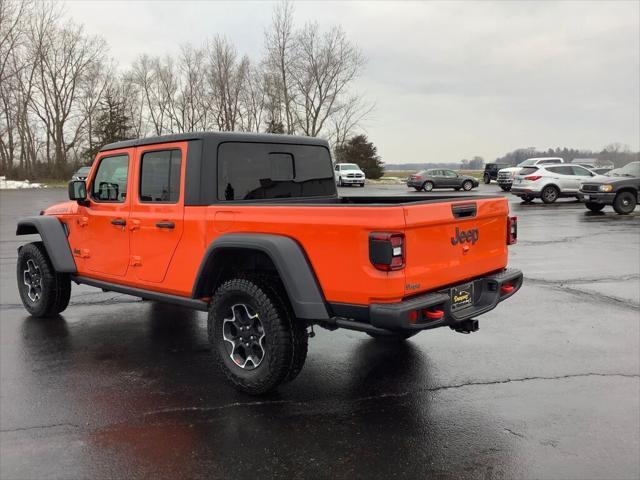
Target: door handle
point(165, 225)
point(120, 222)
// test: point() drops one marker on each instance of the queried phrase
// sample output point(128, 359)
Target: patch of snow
point(17, 184)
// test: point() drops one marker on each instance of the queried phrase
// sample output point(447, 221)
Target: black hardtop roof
point(218, 137)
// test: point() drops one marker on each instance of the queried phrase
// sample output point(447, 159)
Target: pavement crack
point(512, 432)
point(386, 395)
point(39, 427)
point(562, 286)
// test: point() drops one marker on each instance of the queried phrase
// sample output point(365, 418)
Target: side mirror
point(78, 191)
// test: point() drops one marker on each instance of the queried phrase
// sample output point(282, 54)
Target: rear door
point(562, 176)
point(157, 209)
point(450, 242)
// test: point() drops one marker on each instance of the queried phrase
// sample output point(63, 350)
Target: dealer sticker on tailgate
point(461, 296)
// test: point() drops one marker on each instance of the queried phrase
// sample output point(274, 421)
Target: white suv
point(550, 182)
point(506, 175)
point(349, 174)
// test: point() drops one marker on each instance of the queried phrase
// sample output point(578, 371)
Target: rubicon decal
point(465, 236)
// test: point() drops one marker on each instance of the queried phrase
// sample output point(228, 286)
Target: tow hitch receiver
point(466, 326)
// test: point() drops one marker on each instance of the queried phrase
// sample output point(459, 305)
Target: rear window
point(251, 171)
point(527, 170)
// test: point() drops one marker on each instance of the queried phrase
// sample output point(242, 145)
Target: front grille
point(354, 175)
point(590, 188)
point(504, 176)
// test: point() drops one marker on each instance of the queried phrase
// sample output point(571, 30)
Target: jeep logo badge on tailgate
point(468, 236)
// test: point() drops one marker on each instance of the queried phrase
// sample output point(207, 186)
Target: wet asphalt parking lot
point(548, 388)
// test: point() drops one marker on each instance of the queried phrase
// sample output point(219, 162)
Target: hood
point(64, 208)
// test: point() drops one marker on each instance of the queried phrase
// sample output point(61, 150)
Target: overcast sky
point(449, 79)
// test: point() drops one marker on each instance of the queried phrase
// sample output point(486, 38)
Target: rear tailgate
point(450, 242)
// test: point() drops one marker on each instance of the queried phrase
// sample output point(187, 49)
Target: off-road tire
point(467, 185)
point(505, 188)
point(549, 194)
point(594, 207)
point(286, 337)
point(395, 337)
point(427, 186)
point(55, 288)
point(487, 179)
point(624, 203)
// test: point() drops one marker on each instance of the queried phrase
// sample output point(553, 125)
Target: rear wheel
point(427, 186)
point(257, 341)
point(549, 194)
point(487, 178)
point(624, 203)
point(527, 199)
point(594, 207)
point(392, 337)
point(43, 291)
point(467, 185)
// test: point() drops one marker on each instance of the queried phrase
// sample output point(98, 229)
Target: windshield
point(350, 166)
point(629, 170)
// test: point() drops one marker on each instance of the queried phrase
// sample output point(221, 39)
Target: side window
point(337, 167)
point(450, 173)
point(564, 170)
point(554, 169)
point(160, 176)
point(580, 171)
point(110, 182)
point(251, 171)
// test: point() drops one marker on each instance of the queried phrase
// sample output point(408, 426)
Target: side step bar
point(147, 294)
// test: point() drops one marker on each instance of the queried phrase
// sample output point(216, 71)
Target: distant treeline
point(616, 153)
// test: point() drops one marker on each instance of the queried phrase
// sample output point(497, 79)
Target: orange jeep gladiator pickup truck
point(250, 229)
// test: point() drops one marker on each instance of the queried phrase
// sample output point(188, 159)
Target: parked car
point(348, 174)
point(250, 228)
point(491, 171)
point(81, 173)
point(620, 188)
point(550, 182)
point(506, 175)
point(427, 180)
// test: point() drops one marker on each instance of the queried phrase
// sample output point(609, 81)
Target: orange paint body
point(334, 237)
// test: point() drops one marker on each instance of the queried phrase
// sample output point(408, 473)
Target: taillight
point(533, 178)
point(512, 230)
point(417, 177)
point(386, 250)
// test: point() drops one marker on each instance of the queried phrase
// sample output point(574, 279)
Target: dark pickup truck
point(619, 188)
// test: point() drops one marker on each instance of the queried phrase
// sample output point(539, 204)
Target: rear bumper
point(597, 197)
point(396, 316)
point(524, 192)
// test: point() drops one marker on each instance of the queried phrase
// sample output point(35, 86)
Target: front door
point(104, 247)
point(157, 209)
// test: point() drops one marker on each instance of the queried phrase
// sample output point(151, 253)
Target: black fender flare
point(290, 261)
point(54, 237)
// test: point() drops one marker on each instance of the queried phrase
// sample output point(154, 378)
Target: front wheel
point(624, 203)
point(43, 291)
point(505, 188)
point(258, 342)
point(594, 207)
point(340, 181)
